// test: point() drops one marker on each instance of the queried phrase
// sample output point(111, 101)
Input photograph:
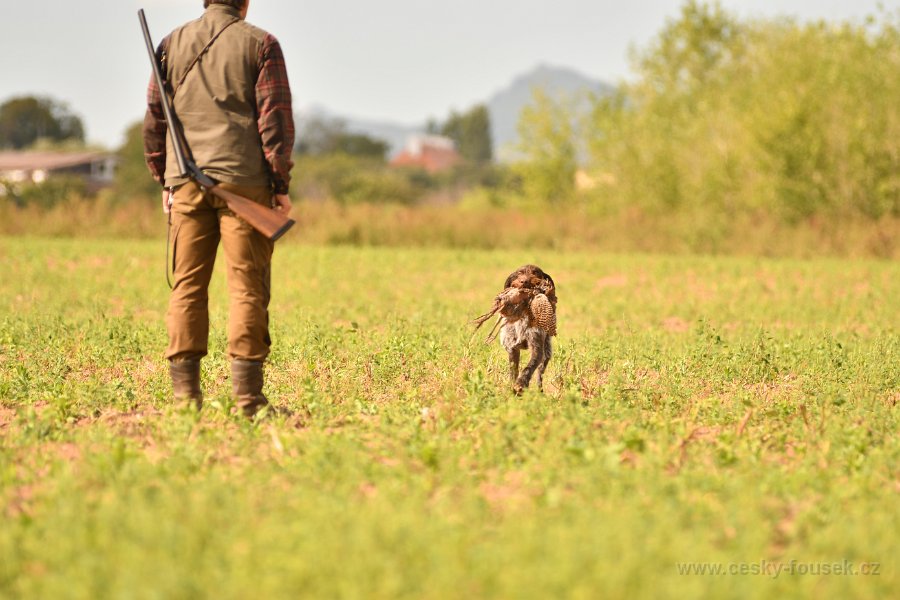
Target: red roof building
point(433, 153)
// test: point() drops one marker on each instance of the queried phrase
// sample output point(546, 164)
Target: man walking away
point(230, 92)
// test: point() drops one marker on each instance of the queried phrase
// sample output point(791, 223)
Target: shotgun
point(268, 221)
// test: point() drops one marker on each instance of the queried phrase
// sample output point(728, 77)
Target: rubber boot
point(247, 384)
point(185, 376)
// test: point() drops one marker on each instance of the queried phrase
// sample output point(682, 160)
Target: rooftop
point(30, 161)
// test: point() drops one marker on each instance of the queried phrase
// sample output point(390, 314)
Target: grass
point(699, 410)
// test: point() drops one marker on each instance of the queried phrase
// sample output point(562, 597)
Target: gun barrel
point(167, 108)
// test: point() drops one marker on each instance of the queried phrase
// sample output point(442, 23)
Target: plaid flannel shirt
point(275, 120)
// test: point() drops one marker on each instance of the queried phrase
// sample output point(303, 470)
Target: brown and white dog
point(527, 321)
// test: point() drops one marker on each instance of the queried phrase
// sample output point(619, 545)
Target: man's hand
point(165, 201)
point(282, 203)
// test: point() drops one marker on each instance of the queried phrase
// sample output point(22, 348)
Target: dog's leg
point(514, 356)
point(548, 353)
point(535, 340)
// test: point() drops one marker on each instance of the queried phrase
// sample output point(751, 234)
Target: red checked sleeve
point(276, 118)
point(155, 129)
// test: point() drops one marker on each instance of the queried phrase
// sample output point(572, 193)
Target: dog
point(527, 321)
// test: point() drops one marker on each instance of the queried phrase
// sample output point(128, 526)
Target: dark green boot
point(247, 384)
point(185, 376)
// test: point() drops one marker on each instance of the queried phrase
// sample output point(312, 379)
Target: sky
point(396, 60)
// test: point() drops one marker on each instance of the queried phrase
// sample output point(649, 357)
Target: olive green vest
point(216, 103)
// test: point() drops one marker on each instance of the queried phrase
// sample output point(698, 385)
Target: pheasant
point(527, 320)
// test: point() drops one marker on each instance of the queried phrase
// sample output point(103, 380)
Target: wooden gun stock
point(269, 222)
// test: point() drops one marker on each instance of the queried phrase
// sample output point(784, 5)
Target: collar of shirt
point(223, 8)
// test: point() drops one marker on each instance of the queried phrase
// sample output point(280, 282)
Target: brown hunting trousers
point(199, 221)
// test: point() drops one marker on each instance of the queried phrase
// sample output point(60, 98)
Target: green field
point(700, 413)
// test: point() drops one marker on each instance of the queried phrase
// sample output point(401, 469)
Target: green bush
point(733, 116)
point(47, 194)
point(352, 180)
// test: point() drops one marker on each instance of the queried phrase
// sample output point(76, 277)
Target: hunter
point(230, 92)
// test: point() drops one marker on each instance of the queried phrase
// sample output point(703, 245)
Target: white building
point(96, 168)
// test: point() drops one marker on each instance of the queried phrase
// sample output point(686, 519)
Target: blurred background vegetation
point(755, 116)
point(765, 136)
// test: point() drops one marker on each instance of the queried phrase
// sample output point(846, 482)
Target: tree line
point(730, 116)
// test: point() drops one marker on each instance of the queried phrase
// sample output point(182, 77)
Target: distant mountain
point(505, 107)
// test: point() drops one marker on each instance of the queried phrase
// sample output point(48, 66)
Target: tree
point(548, 147)
point(132, 175)
point(358, 144)
point(471, 131)
point(432, 126)
point(27, 119)
point(692, 50)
